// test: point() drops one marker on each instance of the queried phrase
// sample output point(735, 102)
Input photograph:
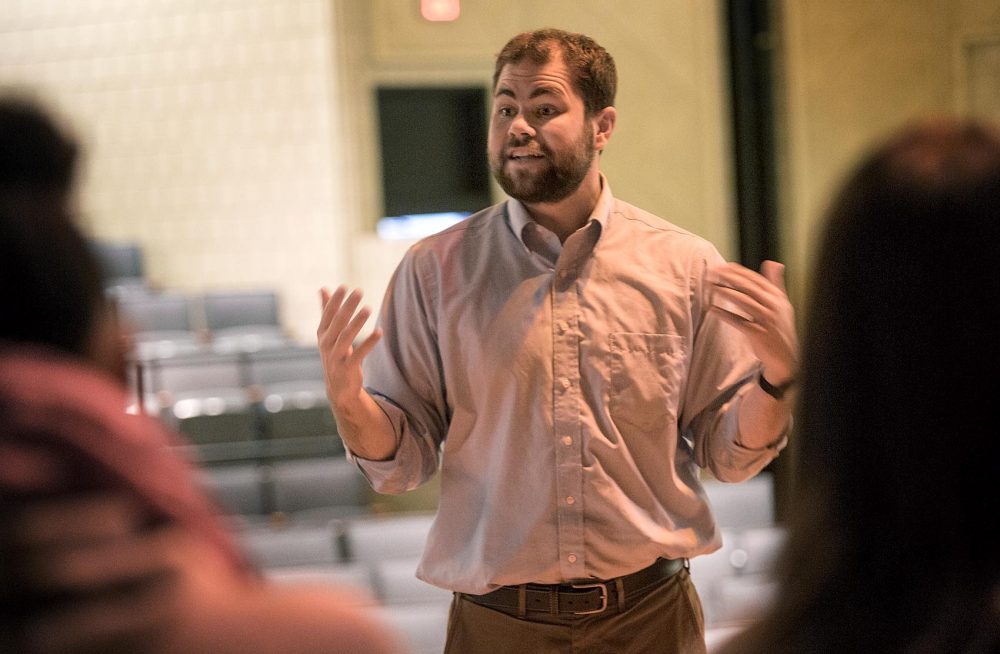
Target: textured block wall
point(209, 128)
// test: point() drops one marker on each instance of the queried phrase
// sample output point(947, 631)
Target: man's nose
point(520, 127)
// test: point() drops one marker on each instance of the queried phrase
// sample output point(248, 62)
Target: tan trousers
point(668, 620)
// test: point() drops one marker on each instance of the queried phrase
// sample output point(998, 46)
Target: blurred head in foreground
point(890, 541)
point(51, 281)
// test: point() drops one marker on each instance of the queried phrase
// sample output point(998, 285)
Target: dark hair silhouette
point(51, 283)
point(890, 546)
point(35, 154)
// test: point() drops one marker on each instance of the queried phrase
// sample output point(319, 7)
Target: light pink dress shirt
point(568, 392)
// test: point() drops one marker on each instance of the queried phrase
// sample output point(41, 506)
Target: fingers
point(766, 289)
point(346, 339)
point(338, 309)
point(341, 324)
point(732, 306)
point(774, 272)
point(748, 300)
point(362, 350)
point(758, 305)
point(733, 294)
point(341, 321)
point(743, 280)
point(346, 319)
point(345, 328)
point(331, 303)
point(85, 544)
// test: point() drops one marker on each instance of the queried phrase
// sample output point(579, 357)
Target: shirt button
point(567, 440)
point(565, 383)
point(562, 326)
point(571, 558)
point(570, 500)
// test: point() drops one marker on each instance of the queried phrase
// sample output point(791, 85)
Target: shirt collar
point(518, 216)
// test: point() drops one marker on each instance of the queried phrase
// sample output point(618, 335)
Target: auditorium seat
point(278, 545)
point(203, 396)
point(342, 576)
point(318, 488)
point(239, 489)
point(161, 325)
point(396, 582)
point(381, 537)
point(289, 386)
point(242, 321)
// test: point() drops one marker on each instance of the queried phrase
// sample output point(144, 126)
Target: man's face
point(541, 144)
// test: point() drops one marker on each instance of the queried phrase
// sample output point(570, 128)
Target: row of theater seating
point(251, 405)
point(165, 324)
point(219, 367)
point(317, 526)
point(302, 490)
point(169, 322)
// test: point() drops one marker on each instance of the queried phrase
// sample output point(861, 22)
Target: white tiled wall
point(209, 129)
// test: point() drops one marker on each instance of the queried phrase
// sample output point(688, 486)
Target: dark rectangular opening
point(433, 145)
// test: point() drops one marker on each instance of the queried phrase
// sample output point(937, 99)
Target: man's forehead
point(527, 77)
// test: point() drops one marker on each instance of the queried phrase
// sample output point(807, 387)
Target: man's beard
point(558, 180)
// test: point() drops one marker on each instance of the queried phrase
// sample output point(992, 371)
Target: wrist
point(349, 404)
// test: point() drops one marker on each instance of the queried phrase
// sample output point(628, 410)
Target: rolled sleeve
point(414, 462)
point(723, 454)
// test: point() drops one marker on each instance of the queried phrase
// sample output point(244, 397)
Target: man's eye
point(546, 112)
point(506, 112)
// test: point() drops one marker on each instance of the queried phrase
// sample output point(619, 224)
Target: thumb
point(774, 272)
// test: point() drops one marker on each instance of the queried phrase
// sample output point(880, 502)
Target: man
point(559, 356)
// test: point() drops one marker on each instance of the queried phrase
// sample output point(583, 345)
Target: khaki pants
point(668, 620)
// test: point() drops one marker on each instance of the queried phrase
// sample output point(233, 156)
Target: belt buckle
point(604, 597)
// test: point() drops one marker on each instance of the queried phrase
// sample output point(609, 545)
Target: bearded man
point(570, 362)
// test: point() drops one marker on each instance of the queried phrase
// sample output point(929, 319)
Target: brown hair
point(591, 66)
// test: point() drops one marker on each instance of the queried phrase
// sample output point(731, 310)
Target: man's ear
point(604, 126)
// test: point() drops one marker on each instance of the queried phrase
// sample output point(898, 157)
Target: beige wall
point(854, 70)
point(668, 153)
point(234, 139)
point(209, 133)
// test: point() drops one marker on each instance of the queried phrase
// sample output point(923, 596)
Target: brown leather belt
point(584, 598)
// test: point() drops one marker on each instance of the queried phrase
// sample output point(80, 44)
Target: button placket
point(566, 414)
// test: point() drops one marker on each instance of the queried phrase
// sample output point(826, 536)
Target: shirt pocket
point(644, 380)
